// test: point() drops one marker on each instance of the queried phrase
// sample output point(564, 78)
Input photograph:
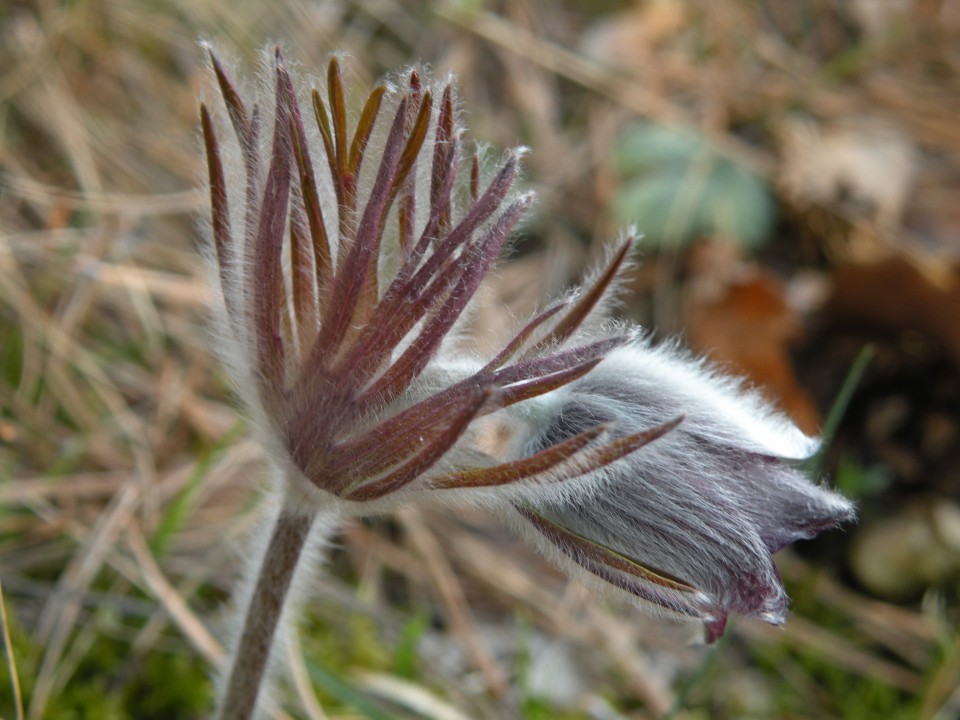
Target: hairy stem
point(263, 615)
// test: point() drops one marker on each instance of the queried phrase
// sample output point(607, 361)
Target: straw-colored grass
point(126, 481)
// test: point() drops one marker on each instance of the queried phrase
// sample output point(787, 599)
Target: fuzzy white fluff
point(708, 502)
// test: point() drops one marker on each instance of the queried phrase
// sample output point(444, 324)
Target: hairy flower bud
point(689, 523)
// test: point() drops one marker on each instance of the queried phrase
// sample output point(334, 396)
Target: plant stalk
point(263, 615)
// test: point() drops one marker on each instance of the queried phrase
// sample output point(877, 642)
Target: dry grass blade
point(191, 626)
point(452, 599)
point(166, 287)
point(409, 695)
point(65, 351)
point(590, 624)
point(805, 633)
point(185, 202)
point(11, 659)
point(567, 64)
point(942, 696)
point(62, 609)
point(301, 680)
point(109, 408)
point(62, 489)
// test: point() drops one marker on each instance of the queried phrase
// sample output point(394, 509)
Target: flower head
point(347, 260)
point(690, 522)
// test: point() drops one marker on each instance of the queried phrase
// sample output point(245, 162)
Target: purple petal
point(267, 273)
point(426, 458)
point(475, 267)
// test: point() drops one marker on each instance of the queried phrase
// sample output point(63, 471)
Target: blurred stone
point(900, 556)
point(863, 166)
point(553, 674)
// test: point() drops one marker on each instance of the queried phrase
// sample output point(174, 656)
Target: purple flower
point(347, 262)
point(689, 523)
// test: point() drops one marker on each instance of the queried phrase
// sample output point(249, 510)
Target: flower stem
point(263, 614)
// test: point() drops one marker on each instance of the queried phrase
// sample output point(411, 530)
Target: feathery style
point(347, 261)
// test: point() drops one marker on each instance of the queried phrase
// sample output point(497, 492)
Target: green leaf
point(813, 466)
point(647, 146)
point(677, 188)
point(178, 510)
point(346, 693)
point(406, 652)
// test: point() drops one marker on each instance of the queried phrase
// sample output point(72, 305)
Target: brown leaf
point(896, 293)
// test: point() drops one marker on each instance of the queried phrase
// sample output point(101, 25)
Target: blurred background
point(795, 168)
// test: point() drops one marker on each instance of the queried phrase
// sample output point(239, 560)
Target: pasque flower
point(347, 261)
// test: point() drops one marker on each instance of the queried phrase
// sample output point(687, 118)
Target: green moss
point(353, 643)
point(839, 690)
point(540, 709)
point(91, 699)
point(110, 683)
point(169, 685)
point(11, 353)
point(851, 696)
